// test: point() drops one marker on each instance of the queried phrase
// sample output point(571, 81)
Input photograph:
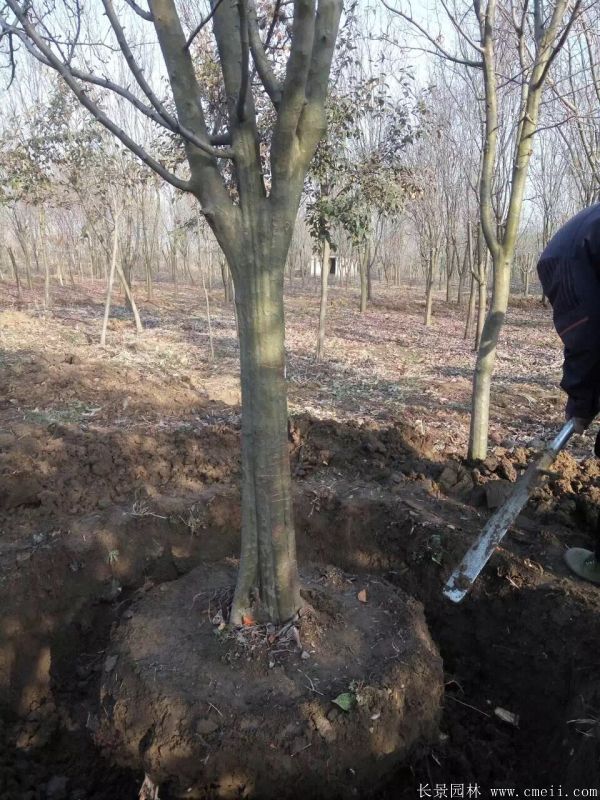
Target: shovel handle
point(563, 436)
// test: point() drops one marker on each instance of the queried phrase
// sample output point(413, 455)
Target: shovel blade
point(463, 577)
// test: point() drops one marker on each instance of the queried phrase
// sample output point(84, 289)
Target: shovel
point(465, 575)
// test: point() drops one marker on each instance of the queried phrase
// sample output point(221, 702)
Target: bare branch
point(201, 25)
point(298, 66)
point(130, 59)
point(459, 29)
point(438, 48)
point(244, 58)
point(559, 45)
point(259, 56)
point(139, 10)
point(50, 59)
point(11, 53)
point(165, 120)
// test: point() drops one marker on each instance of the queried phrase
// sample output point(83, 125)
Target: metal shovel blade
point(478, 555)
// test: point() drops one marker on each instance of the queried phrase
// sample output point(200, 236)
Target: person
point(569, 272)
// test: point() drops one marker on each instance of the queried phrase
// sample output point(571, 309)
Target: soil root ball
point(327, 710)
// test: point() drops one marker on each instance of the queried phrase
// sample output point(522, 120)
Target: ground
point(119, 471)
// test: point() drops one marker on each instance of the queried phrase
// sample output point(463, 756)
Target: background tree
point(510, 78)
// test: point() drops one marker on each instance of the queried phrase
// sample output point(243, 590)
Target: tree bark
point(268, 560)
point(325, 249)
point(486, 358)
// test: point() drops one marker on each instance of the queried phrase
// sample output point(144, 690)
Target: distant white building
point(339, 265)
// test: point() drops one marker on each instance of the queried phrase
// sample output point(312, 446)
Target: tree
point(538, 32)
point(248, 192)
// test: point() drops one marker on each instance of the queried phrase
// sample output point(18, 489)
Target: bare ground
point(119, 471)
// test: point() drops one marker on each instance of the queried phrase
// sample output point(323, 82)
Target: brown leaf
point(362, 595)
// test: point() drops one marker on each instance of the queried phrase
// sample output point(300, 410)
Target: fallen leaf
point(247, 620)
point(345, 701)
point(362, 595)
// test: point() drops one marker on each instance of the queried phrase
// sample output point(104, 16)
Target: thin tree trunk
point(174, 270)
point(364, 289)
point(429, 287)
point(482, 275)
point(111, 278)
point(226, 278)
point(130, 299)
point(47, 296)
point(208, 321)
point(148, 278)
point(470, 308)
point(16, 271)
point(428, 302)
point(268, 558)
point(70, 268)
point(325, 249)
point(369, 273)
point(486, 357)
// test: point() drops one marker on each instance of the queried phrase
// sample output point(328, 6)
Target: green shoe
point(583, 563)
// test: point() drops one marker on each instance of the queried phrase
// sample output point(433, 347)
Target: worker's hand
point(581, 424)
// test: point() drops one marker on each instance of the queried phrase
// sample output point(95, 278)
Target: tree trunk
point(470, 308)
point(111, 278)
point(16, 271)
point(268, 560)
point(130, 299)
point(364, 289)
point(148, 278)
point(226, 278)
point(325, 249)
point(126, 277)
point(429, 287)
point(486, 357)
point(47, 296)
point(369, 267)
point(208, 319)
point(428, 301)
point(482, 292)
point(174, 271)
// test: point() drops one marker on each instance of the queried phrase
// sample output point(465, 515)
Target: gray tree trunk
point(268, 566)
point(325, 249)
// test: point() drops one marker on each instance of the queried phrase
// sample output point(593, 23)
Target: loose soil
point(119, 473)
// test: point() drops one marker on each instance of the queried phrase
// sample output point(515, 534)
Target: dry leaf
point(507, 716)
point(362, 595)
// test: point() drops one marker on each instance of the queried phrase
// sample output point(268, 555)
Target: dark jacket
point(569, 271)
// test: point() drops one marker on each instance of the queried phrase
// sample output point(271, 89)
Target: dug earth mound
point(327, 707)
